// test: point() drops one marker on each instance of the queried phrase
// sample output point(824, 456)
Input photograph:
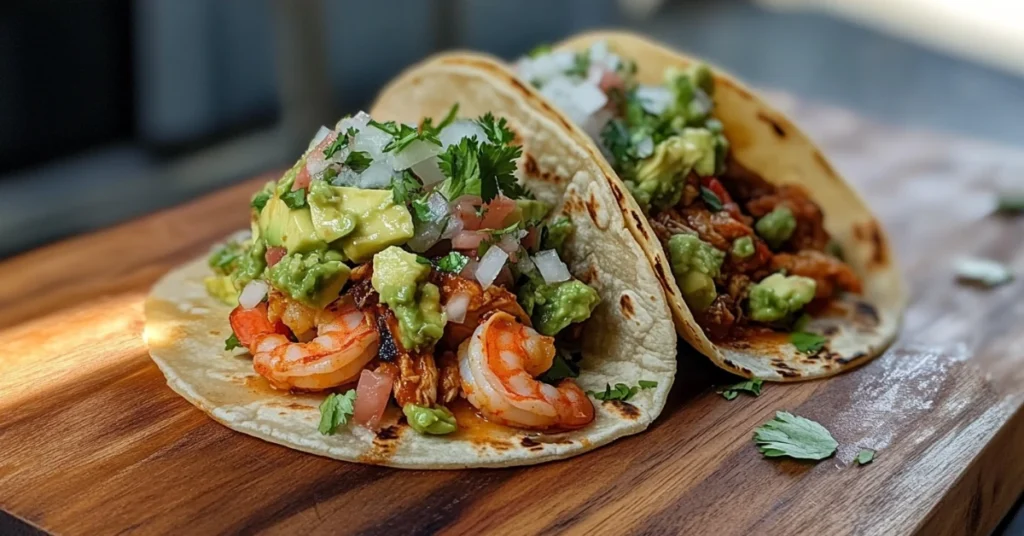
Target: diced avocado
point(222, 287)
point(291, 228)
point(434, 421)
point(313, 278)
point(778, 297)
point(556, 233)
point(251, 265)
point(555, 306)
point(777, 226)
point(660, 178)
point(695, 263)
point(330, 221)
point(528, 211)
point(400, 279)
point(380, 222)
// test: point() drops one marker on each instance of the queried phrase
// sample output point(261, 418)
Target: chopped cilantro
point(404, 187)
point(461, 164)
point(335, 411)
point(711, 199)
point(358, 161)
point(564, 366)
point(750, 386)
point(496, 129)
point(806, 342)
point(864, 457)
point(453, 262)
point(294, 198)
point(580, 64)
point(232, 342)
point(647, 384)
point(621, 391)
point(402, 135)
point(422, 260)
point(340, 142)
point(449, 118)
point(794, 436)
point(260, 200)
point(421, 210)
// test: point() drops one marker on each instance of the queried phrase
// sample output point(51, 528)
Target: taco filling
point(747, 255)
point(406, 261)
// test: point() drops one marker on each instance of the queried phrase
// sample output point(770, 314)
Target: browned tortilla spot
point(617, 193)
point(640, 224)
point(829, 331)
point(627, 306)
point(871, 233)
point(779, 131)
point(659, 271)
point(591, 205)
point(214, 332)
point(529, 443)
point(852, 358)
point(385, 443)
point(388, 433)
point(589, 275)
point(624, 409)
point(573, 204)
point(530, 166)
point(868, 312)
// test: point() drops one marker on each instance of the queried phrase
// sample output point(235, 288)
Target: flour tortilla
point(629, 338)
point(762, 140)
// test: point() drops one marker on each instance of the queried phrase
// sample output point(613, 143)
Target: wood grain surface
point(94, 442)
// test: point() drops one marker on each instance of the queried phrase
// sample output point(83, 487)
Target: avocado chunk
point(400, 279)
point(380, 222)
point(695, 263)
point(330, 221)
point(553, 307)
point(313, 278)
point(778, 297)
point(290, 228)
point(529, 211)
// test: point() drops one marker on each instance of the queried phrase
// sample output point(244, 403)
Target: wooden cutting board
point(93, 441)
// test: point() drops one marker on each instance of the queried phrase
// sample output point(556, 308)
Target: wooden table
point(93, 441)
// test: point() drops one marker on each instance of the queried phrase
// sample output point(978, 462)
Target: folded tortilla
point(630, 336)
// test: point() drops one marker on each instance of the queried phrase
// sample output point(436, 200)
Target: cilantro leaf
point(225, 259)
point(794, 436)
point(295, 198)
point(621, 391)
point(232, 342)
point(449, 118)
point(564, 366)
point(580, 64)
point(421, 210)
point(340, 142)
point(806, 342)
point(750, 386)
point(358, 161)
point(711, 199)
point(420, 259)
point(402, 135)
point(260, 200)
point(461, 164)
point(864, 457)
point(404, 187)
point(496, 129)
point(453, 262)
point(335, 411)
point(647, 384)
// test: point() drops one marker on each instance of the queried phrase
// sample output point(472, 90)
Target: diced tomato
point(763, 253)
point(532, 238)
point(274, 255)
point(469, 239)
point(251, 323)
point(302, 179)
point(496, 212)
point(372, 394)
point(712, 184)
point(611, 80)
point(466, 211)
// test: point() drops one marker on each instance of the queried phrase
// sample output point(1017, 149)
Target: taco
point(774, 267)
point(404, 299)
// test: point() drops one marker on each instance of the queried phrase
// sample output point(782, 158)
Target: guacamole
point(660, 178)
point(251, 264)
point(776, 227)
point(552, 307)
point(313, 278)
point(556, 233)
point(223, 288)
point(433, 421)
point(400, 279)
point(695, 263)
point(778, 297)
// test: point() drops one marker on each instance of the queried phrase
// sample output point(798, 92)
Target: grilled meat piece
point(810, 230)
point(450, 383)
point(828, 272)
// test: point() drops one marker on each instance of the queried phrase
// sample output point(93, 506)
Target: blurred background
point(110, 109)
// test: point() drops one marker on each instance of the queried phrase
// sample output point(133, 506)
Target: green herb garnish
point(453, 263)
point(340, 142)
point(404, 186)
point(864, 457)
point(358, 161)
point(710, 199)
point(647, 384)
point(750, 386)
point(295, 198)
point(621, 391)
point(580, 64)
point(232, 342)
point(335, 411)
point(260, 200)
point(564, 366)
point(794, 436)
point(403, 135)
point(806, 342)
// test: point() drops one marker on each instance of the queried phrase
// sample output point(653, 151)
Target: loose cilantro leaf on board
point(404, 187)
point(806, 342)
point(358, 161)
point(1010, 203)
point(335, 411)
point(864, 457)
point(710, 199)
point(454, 262)
point(621, 391)
point(750, 386)
point(232, 342)
point(295, 198)
point(564, 366)
point(794, 436)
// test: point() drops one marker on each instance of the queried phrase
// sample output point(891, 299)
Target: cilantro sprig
point(806, 342)
point(794, 436)
point(711, 199)
point(335, 411)
point(753, 387)
point(358, 161)
point(232, 342)
point(453, 262)
point(294, 198)
point(621, 391)
point(864, 457)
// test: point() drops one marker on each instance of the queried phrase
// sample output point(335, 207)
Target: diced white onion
point(253, 294)
point(425, 235)
point(596, 122)
point(600, 55)
point(456, 307)
point(345, 177)
point(414, 153)
point(376, 176)
point(509, 243)
point(552, 269)
point(371, 140)
point(319, 137)
point(316, 166)
point(654, 99)
point(358, 121)
point(594, 74)
point(462, 128)
point(645, 147)
point(545, 67)
point(454, 227)
point(589, 98)
point(490, 265)
point(428, 171)
point(438, 206)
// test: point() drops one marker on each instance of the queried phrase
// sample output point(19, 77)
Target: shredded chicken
point(448, 388)
point(481, 302)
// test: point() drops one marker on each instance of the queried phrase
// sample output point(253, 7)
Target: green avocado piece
point(529, 211)
point(291, 228)
point(380, 222)
point(400, 279)
point(330, 220)
point(313, 278)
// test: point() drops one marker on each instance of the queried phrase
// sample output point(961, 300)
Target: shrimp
point(346, 341)
point(498, 365)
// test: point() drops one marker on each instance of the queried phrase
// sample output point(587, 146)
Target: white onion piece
point(545, 67)
point(462, 128)
point(414, 153)
point(429, 171)
point(654, 99)
point(594, 74)
point(596, 122)
point(253, 294)
point(490, 265)
point(425, 235)
point(345, 177)
point(316, 166)
point(454, 227)
point(589, 98)
point(456, 307)
point(438, 206)
point(371, 140)
point(552, 269)
point(376, 176)
point(318, 137)
point(644, 147)
point(358, 121)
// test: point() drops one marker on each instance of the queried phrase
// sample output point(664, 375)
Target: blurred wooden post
point(300, 43)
